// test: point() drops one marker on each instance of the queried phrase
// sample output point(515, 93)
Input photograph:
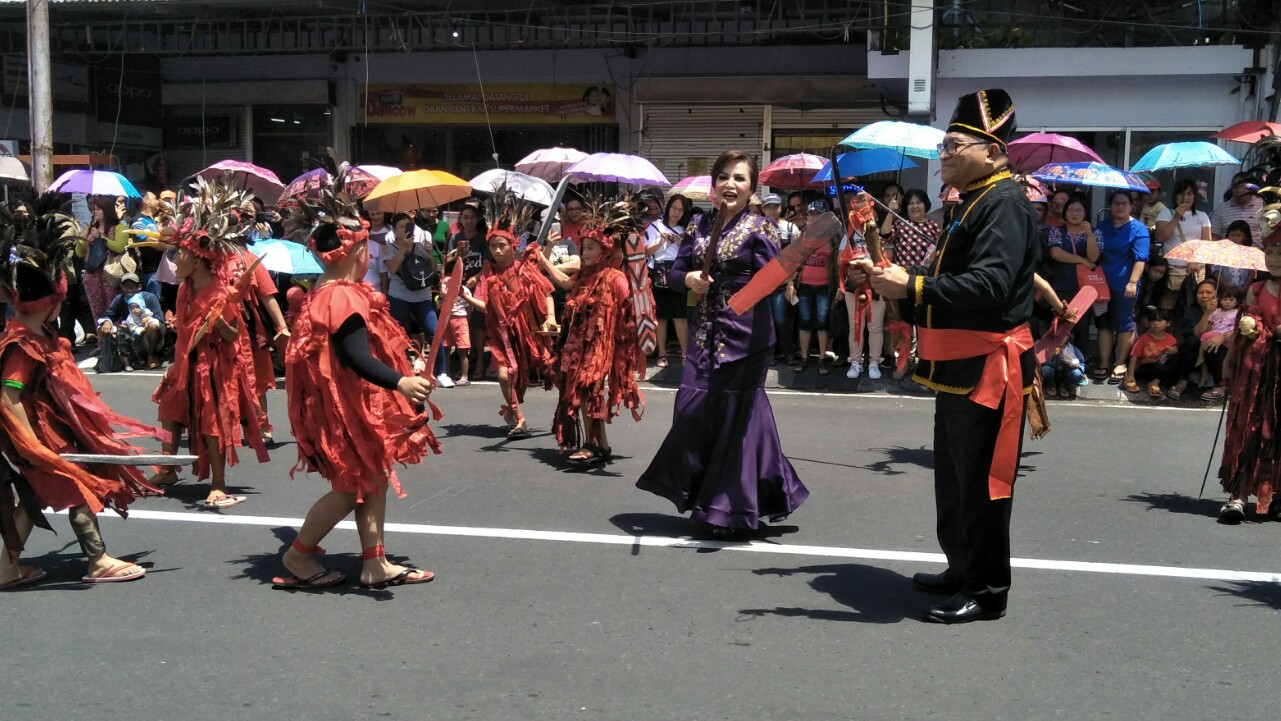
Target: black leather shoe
point(963, 608)
point(936, 583)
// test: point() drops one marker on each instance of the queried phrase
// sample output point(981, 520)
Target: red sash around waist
point(1002, 379)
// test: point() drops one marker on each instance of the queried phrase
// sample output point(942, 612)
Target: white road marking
point(1130, 569)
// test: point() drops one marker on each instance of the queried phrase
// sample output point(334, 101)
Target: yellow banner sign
point(396, 104)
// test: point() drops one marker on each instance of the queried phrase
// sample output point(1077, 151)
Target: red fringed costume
point(67, 416)
point(1251, 445)
point(209, 389)
point(601, 358)
point(348, 430)
point(256, 351)
point(514, 313)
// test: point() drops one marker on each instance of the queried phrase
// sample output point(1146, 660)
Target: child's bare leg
point(217, 470)
point(324, 514)
point(375, 568)
point(168, 475)
point(602, 439)
point(464, 363)
point(589, 436)
point(514, 416)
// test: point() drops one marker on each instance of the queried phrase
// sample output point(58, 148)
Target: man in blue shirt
point(148, 258)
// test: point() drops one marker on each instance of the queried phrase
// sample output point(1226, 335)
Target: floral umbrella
point(792, 172)
point(1217, 252)
point(305, 185)
point(549, 163)
point(1091, 174)
point(697, 188)
point(258, 180)
point(362, 179)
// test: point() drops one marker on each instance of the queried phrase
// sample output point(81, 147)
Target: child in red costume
point(256, 350)
point(48, 407)
point(601, 358)
point(520, 317)
point(209, 390)
point(354, 405)
point(1251, 445)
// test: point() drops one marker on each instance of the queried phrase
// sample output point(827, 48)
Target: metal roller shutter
point(685, 140)
point(845, 119)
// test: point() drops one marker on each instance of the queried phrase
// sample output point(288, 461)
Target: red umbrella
point(1251, 131)
point(792, 172)
point(1039, 149)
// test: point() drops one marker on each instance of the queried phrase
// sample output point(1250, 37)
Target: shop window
point(286, 135)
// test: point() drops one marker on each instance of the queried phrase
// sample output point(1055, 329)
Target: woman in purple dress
point(722, 459)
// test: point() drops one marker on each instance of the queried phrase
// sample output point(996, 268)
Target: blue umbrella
point(919, 141)
point(1193, 154)
point(286, 256)
point(1091, 174)
point(864, 162)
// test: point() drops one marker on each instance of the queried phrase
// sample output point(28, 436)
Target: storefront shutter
point(685, 140)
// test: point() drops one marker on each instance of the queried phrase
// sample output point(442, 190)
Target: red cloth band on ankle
point(373, 552)
point(307, 550)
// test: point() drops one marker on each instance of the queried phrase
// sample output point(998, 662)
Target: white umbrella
point(617, 168)
point(12, 169)
point(549, 163)
point(527, 187)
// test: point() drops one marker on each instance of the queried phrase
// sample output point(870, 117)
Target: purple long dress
point(722, 459)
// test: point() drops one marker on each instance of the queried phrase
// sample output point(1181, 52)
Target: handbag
point(109, 360)
point(96, 255)
point(658, 274)
point(416, 272)
point(117, 265)
point(1092, 277)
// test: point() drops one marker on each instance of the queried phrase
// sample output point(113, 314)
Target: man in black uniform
point(971, 305)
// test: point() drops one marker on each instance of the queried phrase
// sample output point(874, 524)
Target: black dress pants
point(973, 529)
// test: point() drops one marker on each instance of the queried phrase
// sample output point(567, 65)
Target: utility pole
point(40, 87)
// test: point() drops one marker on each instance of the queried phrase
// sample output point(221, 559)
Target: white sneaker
point(873, 371)
point(444, 381)
point(854, 371)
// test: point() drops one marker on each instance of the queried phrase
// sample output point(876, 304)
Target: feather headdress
point(332, 216)
point(33, 256)
point(210, 222)
point(509, 214)
point(609, 221)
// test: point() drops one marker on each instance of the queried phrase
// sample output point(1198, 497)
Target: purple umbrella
point(95, 182)
point(1039, 149)
point(306, 185)
point(617, 168)
point(258, 180)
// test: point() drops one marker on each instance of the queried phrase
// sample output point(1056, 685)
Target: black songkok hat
point(987, 114)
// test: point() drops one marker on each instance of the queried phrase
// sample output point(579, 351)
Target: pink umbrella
point(617, 168)
point(1039, 149)
point(792, 172)
point(258, 180)
point(306, 185)
point(696, 187)
point(549, 163)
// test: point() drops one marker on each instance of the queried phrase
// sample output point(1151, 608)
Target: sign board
point(212, 131)
point(506, 104)
point(130, 97)
point(70, 84)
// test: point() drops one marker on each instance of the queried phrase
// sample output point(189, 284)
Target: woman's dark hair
point(1119, 191)
point(687, 209)
point(481, 227)
point(734, 157)
point(398, 217)
point(1078, 199)
point(108, 207)
point(919, 194)
point(1242, 226)
point(1159, 262)
point(892, 184)
point(1182, 185)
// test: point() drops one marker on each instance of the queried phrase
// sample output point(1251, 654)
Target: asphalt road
point(565, 595)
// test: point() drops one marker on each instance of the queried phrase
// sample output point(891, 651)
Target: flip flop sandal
point(402, 579)
point(111, 577)
point(219, 504)
point(662, 362)
point(1214, 394)
point(27, 575)
point(1154, 391)
point(1174, 393)
point(1130, 387)
point(520, 430)
point(318, 581)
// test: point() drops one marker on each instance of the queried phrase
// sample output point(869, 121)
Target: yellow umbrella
point(414, 189)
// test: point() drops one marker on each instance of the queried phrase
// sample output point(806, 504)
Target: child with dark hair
point(1152, 359)
point(1214, 342)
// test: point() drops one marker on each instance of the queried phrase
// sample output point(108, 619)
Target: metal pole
point(40, 86)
